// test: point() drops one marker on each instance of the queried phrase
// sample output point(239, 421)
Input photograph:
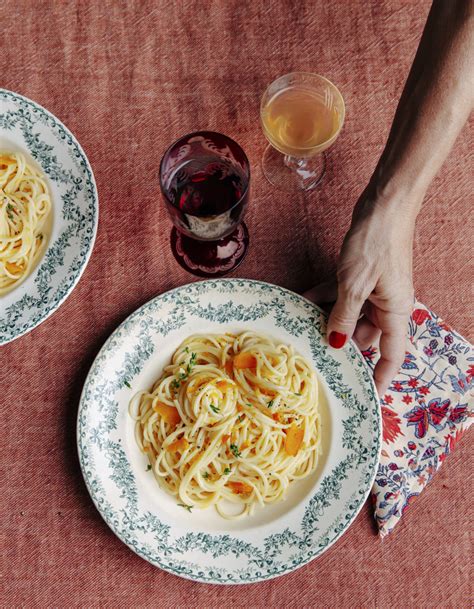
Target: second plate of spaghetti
point(48, 214)
point(221, 438)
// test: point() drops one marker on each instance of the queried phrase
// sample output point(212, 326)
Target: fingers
point(343, 318)
point(322, 293)
point(392, 352)
point(366, 334)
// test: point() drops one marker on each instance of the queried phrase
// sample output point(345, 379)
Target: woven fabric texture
point(129, 77)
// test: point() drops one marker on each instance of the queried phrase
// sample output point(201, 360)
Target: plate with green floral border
point(27, 127)
point(200, 545)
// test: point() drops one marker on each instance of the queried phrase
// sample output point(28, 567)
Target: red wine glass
point(205, 183)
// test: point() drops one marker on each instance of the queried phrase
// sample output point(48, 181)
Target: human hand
point(374, 288)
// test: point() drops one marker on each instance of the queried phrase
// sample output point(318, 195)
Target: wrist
point(403, 189)
point(389, 211)
point(396, 196)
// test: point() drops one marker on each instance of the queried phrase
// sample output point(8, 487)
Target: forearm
point(435, 104)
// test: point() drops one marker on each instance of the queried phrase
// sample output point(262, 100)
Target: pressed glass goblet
point(205, 183)
point(302, 114)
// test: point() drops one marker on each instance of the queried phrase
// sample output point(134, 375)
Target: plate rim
point(203, 580)
point(85, 261)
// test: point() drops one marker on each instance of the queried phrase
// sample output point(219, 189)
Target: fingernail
point(337, 339)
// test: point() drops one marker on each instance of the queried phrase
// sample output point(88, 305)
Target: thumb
point(322, 293)
point(344, 316)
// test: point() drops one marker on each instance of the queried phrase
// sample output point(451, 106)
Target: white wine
point(299, 121)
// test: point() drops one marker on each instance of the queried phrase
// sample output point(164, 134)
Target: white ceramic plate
point(201, 545)
point(27, 127)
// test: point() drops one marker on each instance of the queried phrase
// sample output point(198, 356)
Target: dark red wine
point(205, 179)
point(209, 188)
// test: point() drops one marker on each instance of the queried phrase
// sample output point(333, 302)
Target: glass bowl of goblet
point(301, 114)
point(205, 183)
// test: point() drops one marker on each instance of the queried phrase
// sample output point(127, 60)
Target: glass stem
point(295, 163)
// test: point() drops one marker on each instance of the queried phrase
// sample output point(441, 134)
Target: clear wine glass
point(301, 114)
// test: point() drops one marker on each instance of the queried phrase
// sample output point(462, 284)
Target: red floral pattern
point(425, 411)
point(391, 424)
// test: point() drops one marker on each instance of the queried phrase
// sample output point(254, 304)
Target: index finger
point(392, 353)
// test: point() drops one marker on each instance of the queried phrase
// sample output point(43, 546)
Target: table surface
point(128, 78)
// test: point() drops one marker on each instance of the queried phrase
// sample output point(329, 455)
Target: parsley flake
point(186, 507)
point(270, 403)
point(298, 394)
point(235, 450)
point(215, 409)
point(10, 209)
point(241, 418)
point(176, 383)
point(227, 470)
point(205, 475)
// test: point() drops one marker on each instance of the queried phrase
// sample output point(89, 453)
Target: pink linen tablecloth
point(127, 78)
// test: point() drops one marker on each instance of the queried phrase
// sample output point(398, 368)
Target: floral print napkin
point(425, 411)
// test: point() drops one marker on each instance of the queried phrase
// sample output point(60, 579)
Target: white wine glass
point(302, 114)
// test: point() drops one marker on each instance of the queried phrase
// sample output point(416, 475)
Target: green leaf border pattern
point(261, 563)
point(80, 224)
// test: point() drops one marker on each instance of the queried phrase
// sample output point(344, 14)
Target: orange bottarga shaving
point(294, 439)
point(169, 413)
point(178, 446)
point(225, 438)
point(229, 367)
point(194, 459)
point(244, 445)
point(13, 268)
point(240, 488)
point(197, 386)
point(277, 416)
point(239, 408)
point(222, 384)
point(245, 360)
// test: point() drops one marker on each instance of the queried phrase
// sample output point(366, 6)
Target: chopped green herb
point(215, 409)
point(186, 507)
point(148, 467)
point(235, 451)
point(205, 475)
point(128, 384)
point(248, 404)
point(227, 470)
point(175, 384)
point(192, 362)
point(10, 209)
point(270, 403)
point(241, 418)
point(187, 349)
point(298, 394)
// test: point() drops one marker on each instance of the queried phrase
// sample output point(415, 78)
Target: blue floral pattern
point(425, 411)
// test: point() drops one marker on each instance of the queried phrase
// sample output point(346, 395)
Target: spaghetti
point(232, 418)
point(25, 204)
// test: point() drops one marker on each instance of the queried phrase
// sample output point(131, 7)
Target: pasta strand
point(231, 418)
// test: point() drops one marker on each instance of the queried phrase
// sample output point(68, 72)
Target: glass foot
point(210, 258)
point(290, 174)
